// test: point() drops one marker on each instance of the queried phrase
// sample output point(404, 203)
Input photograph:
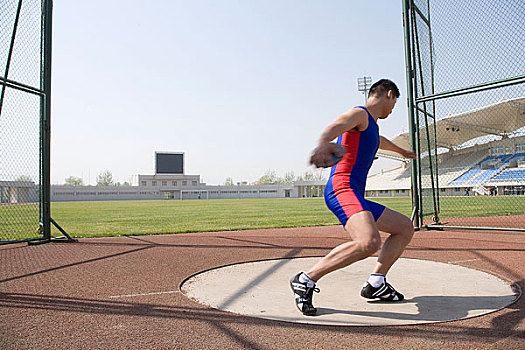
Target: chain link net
point(468, 65)
point(20, 114)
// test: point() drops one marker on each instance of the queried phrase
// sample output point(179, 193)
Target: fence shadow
point(503, 326)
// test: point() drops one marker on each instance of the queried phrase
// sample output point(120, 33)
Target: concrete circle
point(434, 292)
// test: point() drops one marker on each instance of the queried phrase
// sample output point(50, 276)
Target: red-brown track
point(123, 293)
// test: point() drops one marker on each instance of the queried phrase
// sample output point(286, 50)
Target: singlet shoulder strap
point(364, 108)
point(369, 115)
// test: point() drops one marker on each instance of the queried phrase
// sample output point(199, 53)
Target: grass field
point(154, 217)
point(19, 221)
point(84, 219)
point(89, 219)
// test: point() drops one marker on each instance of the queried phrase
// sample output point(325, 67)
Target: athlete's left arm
point(388, 145)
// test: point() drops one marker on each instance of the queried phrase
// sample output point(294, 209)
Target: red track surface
point(122, 293)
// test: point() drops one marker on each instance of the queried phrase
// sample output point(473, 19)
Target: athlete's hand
point(323, 155)
point(408, 154)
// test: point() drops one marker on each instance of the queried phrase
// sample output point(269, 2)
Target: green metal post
point(410, 105)
point(45, 136)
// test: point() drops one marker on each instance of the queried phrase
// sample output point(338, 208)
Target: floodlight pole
point(363, 84)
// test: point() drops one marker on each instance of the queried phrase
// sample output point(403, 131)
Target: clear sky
point(239, 86)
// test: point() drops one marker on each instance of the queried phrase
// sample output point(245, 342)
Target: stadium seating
point(492, 168)
point(466, 176)
point(517, 156)
point(510, 175)
point(484, 176)
point(457, 169)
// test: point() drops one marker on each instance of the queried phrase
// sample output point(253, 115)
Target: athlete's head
point(380, 87)
point(386, 91)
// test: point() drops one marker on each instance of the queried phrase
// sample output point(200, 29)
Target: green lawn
point(84, 219)
point(88, 219)
point(19, 221)
point(457, 207)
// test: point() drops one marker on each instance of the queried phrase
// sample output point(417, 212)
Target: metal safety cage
point(25, 117)
point(466, 102)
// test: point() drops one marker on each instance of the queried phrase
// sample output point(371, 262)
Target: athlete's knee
point(369, 246)
point(406, 229)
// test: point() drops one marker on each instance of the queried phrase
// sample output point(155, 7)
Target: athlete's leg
point(365, 242)
point(401, 231)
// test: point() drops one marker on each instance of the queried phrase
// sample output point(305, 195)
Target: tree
point(24, 178)
point(319, 176)
point(73, 181)
point(105, 178)
point(228, 182)
point(269, 178)
point(289, 178)
point(311, 176)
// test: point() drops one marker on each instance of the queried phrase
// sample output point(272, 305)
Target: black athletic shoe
point(384, 292)
point(303, 296)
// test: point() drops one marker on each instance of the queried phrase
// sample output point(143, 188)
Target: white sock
point(304, 278)
point(376, 280)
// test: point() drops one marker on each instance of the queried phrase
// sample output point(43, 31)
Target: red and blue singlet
point(345, 190)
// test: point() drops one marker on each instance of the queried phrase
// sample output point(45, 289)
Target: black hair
point(382, 86)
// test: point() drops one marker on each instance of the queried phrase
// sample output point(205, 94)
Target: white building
point(18, 192)
point(181, 187)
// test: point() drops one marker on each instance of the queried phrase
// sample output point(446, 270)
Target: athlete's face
point(389, 102)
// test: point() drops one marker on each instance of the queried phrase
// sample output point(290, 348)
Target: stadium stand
point(485, 176)
point(481, 152)
point(458, 173)
point(510, 175)
point(466, 177)
point(490, 169)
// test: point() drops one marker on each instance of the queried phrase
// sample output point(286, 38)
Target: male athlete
point(358, 132)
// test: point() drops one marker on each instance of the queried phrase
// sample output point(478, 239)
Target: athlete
point(357, 131)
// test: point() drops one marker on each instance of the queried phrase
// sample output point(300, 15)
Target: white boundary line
point(143, 294)
point(462, 261)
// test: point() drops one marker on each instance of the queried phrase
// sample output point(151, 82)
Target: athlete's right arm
point(354, 119)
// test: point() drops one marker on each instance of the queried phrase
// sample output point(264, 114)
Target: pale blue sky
point(239, 86)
